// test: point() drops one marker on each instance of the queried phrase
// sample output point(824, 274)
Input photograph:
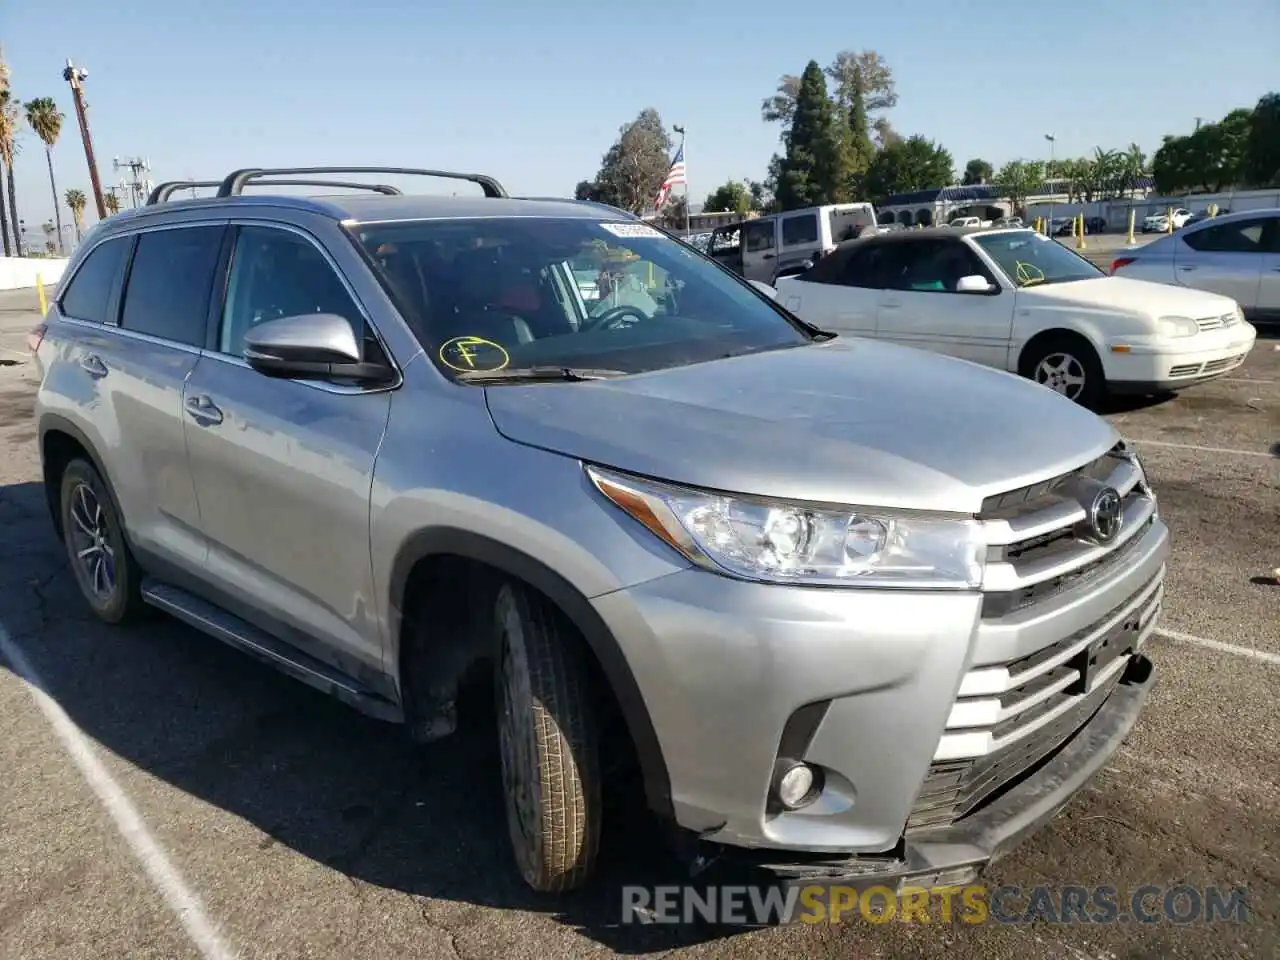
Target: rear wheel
point(548, 739)
point(1069, 366)
point(105, 570)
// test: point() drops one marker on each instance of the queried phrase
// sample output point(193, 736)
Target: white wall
point(1116, 212)
point(19, 272)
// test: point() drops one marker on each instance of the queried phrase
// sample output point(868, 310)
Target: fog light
point(798, 786)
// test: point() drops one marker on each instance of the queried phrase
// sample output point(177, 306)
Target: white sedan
point(1021, 302)
point(1159, 222)
point(1237, 255)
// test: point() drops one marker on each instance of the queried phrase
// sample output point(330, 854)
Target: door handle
point(891, 304)
point(203, 410)
point(93, 366)
point(1186, 269)
point(767, 256)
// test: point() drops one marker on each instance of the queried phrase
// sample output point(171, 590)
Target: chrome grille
point(1217, 323)
point(1008, 717)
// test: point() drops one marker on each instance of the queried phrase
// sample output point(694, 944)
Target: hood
point(1124, 294)
point(849, 421)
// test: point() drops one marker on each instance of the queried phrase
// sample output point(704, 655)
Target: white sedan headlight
point(757, 539)
point(1177, 327)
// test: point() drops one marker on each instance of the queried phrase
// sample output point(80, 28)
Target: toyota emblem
point(1105, 515)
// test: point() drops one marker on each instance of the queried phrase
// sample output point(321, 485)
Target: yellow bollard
point(1213, 210)
point(1080, 244)
point(1132, 217)
point(44, 303)
point(1169, 227)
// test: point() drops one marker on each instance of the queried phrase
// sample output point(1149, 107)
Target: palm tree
point(5, 134)
point(112, 203)
point(75, 203)
point(46, 120)
point(10, 124)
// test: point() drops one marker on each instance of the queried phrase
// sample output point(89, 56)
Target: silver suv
point(859, 612)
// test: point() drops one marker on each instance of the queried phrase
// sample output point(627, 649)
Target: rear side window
point(169, 284)
point(1242, 236)
point(801, 229)
point(758, 235)
point(89, 296)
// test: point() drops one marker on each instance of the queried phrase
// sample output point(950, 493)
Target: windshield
point(491, 294)
point(1031, 259)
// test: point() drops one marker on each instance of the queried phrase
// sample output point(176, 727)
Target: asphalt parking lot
point(164, 796)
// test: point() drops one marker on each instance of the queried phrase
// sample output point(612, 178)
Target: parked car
point(963, 222)
point(784, 244)
point(1007, 222)
point(1159, 222)
point(1018, 301)
point(380, 443)
point(1236, 255)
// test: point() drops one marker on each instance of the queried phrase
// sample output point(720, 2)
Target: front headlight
point(757, 539)
point(1177, 327)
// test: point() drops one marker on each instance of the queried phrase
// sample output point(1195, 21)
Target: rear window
point(88, 297)
point(801, 229)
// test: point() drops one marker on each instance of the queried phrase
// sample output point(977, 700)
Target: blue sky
point(535, 93)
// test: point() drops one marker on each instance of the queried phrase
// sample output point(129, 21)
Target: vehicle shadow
point(309, 773)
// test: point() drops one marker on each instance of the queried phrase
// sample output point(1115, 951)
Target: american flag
point(674, 176)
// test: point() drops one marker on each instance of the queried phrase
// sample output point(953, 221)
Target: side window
point(936, 266)
point(866, 268)
point(169, 283)
point(758, 235)
point(89, 295)
point(276, 273)
point(801, 229)
point(1243, 236)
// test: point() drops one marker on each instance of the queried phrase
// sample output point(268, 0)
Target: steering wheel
point(615, 318)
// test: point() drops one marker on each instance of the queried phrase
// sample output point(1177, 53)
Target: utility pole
point(680, 130)
point(76, 76)
point(1053, 143)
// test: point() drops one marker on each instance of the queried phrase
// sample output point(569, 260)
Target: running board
point(211, 619)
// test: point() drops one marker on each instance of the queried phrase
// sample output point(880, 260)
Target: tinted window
point(274, 274)
point(491, 293)
point(1242, 236)
point(89, 295)
point(169, 283)
point(852, 265)
point(933, 266)
point(867, 266)
point(758, 235)
point(802, 229)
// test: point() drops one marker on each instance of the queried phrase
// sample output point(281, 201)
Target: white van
point(784, 244)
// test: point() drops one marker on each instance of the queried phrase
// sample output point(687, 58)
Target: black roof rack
point(165, 190)
point(235, 182)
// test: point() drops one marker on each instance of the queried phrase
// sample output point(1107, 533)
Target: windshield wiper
point(552, 373)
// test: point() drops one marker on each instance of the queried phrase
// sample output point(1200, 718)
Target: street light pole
point(1053, 141)
point(76, 76)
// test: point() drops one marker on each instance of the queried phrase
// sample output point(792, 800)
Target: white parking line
point(180, 898)
point(1193, 446)
point(1248, 380)
point(1263, 655)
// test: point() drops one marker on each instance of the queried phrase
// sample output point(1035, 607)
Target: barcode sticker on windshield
point(631, 230)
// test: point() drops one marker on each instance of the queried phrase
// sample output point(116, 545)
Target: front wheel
point(548, 740)
point(1068, 366)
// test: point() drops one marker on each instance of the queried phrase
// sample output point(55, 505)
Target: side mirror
point(974, 284)
point(764, 288)
point(310, 346)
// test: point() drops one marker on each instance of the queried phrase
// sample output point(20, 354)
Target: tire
point(104, 568)
point(548, 740)
point(1058, 362)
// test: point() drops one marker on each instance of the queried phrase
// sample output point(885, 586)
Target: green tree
point(674, 213)
point(761, 195)
point(112, 203)
point(915, 163)
point(6, 136)
point(10, 125)
point(977, 171)
point(44, 117)
point(810, 171)
point(731, 196)
point(585, 190)
point(1262, 151)
point(76, 203)
point(1173, 167)
point(1019, 179)
point(634, 167)
point(855, 76)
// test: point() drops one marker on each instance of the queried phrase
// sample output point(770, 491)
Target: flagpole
point(684, 157)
